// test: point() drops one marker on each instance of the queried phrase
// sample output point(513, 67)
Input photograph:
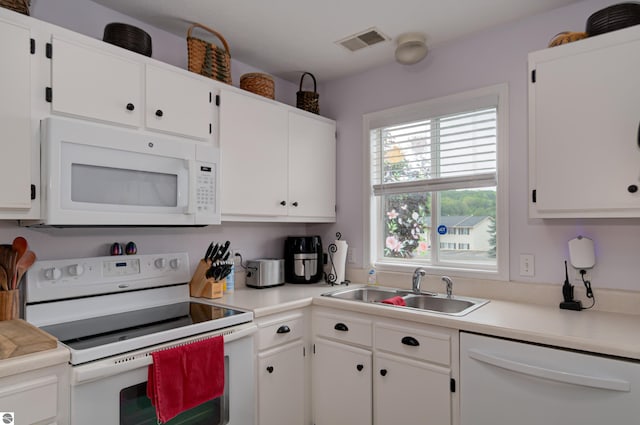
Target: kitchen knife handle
point(341, 327)
point(284, 329)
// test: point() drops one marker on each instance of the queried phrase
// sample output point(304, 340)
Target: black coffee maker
point(303, 259)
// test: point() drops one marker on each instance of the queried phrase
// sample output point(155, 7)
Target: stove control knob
point(159, 263)
point(52, 273)
point(174, 263)
point(75, 269)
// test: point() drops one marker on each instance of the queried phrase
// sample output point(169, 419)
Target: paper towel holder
point(332, 277)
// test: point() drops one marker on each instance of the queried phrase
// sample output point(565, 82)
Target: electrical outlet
point(237, 256)
point(350, 257)
point(527, 265)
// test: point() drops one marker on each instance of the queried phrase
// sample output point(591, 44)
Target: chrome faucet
point(449, 282)
point(417, 275)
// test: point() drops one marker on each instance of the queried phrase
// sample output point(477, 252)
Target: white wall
point(495, 56)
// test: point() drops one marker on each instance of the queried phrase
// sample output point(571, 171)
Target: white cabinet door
point(178, 103)
point(253, 145)
point(410, 392)
point(15, 113)
point(95, 84)
point(312, 167)
point(341, 380)
point(281, 385)
point(584, 134)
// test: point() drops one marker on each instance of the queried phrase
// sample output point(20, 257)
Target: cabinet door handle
point(270, 369)
point(295, 204)
point(284, 329)
point(360, 367)
point(283, 203)
point(383, 372)
point(159, 113)
point(632, 188)
point(409, 340)
point(341, 327)
point(130, 107)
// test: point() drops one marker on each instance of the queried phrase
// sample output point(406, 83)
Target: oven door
point(113, 391)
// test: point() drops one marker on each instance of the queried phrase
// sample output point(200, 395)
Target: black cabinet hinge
point(533, 76)
point(533, 196)
point(48, 94)
point(314, 348)
point(33, 192)
point(32, 46)
point(210, 97)
point(452, 385)
point(49, 51)
point(304, 351)
point(210, 128)
point(217, 100)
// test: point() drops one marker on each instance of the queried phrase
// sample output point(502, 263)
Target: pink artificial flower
point(423, 247)
point(393, 243)
point(392, 214)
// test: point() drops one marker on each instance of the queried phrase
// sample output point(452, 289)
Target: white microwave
point(99, 175)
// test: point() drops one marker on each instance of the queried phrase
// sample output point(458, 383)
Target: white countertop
point(593, 331)
point(33, 361)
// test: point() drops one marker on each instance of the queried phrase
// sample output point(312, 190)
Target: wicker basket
point(207, 58)
point(258, 83)
point(21, 6)
point(567, 37)
point(308, 100)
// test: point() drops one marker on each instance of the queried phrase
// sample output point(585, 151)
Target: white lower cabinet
point(341, 384)
point(372, 370)
point(38, 397)
point(282, 365)
point(279, 379)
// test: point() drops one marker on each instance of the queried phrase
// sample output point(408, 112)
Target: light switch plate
point(527, 265)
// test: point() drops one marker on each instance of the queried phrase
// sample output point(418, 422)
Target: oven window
point(118, 186)
point(136, 408)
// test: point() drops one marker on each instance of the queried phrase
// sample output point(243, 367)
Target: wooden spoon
point(20, 245)
point(3, 279)
point(22, 266)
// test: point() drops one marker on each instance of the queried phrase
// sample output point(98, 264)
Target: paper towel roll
point(340, 260)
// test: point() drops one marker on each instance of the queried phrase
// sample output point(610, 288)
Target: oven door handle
point(125, 363)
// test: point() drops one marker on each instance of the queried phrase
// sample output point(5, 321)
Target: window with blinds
point(436, 200)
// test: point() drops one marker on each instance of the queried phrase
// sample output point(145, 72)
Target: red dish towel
point(183, 377)
point(397, 300)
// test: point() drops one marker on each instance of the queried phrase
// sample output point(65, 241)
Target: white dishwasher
point(503, 382)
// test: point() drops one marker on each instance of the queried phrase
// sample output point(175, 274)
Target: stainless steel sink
point(437, 303)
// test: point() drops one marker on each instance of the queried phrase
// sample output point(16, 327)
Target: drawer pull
point(341, 327)
point(360, 367)
point(409, 340)
point(270, 369)
point(284, 329)
point(130, 107)
point(383, 372)
point(159, 113)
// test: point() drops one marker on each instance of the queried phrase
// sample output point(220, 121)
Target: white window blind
point(444, 152)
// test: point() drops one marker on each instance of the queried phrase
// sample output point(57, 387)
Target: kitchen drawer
point(279, 330)
point(419, 343)
point(343, 327)
point(32, 401)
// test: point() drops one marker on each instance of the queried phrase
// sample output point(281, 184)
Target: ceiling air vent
point(363, 39)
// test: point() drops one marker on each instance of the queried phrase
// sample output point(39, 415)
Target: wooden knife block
point(201, 287)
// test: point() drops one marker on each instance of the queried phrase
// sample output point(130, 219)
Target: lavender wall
point(495, 56)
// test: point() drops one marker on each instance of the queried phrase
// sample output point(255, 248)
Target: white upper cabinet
point(253, 145)
point(312, 166)
point(87, 82)
point(178, 103)
point(584, 128)
point(15, 114)
point(279, 164)
point(92, 82)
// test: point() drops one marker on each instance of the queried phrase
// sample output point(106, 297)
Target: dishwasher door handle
point(550, 374)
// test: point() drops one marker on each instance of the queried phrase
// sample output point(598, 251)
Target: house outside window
point(438, 185)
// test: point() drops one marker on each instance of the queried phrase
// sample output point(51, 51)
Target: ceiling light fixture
point(412, 48)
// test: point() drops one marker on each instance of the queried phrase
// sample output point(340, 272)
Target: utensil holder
point(9, 304)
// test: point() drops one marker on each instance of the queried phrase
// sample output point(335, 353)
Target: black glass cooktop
point(97, 331)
